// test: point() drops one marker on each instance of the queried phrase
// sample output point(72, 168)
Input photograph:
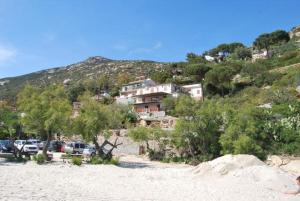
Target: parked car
point(54, 145)
point(28, 146)
point(1, 146)
point(50, 155)
point(89, 151)
point(74, 147)
point(35, 142)
point(6, 145)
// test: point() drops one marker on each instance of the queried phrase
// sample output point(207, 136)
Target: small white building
point(195, 91)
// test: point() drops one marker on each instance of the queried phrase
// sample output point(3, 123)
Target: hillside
point(89, 68)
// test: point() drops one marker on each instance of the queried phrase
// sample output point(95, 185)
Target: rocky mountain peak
point(96, 60)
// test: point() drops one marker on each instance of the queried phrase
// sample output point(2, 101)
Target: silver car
point(74, 147)
point(89, 151)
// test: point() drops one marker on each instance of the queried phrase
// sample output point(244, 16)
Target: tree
point(229, 48)
point(96, 119)
point(75, 91)
point(264, 41)
point(8, 120)
point(198, 136)
point(245, 133)
point(92, 119)
point(197, 73)
point(98, 84)
point(220, 77)
point(185, 106)
point(169, 104)
point(161, 76)
point(194, 58)
point(143, 134)
point(45, 110)
point(242, 53)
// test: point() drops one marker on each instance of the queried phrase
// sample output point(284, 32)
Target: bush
point(16, 159)
point(96, 160)
point(266, 78)
point(114, 161)
point(156, 155)
point(39, 158)
point(246, 145)
point(76, 161)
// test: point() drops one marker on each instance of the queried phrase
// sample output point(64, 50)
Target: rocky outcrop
point(295, 32)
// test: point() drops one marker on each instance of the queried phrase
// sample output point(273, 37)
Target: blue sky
point(40, 34)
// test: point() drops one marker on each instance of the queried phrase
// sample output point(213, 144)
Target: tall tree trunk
point(95, 141)
point(45, 148)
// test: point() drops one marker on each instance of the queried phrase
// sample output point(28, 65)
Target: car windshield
point(28, 142)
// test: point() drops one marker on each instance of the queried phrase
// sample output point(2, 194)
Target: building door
point(146, 108)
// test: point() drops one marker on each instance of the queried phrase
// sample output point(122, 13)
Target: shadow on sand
point(133, 165)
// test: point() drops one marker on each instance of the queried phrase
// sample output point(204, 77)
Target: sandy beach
point(137, 179)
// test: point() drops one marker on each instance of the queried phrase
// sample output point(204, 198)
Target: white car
point(74, 147)
point(89, 151)
point(28, 146)
point(35, 142)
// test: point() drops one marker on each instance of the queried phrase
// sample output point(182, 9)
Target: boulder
point(293, 167)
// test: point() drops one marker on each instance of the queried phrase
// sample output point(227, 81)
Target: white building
point(129, 90)
point(168, 88)
point(195, 91)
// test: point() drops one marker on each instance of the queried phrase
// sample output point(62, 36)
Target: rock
point(275, 160)
point(66, 81)
point(267, 105)
point(293, 166)
point(226, 164)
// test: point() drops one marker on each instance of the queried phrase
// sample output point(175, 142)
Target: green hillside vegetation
point(249, 107)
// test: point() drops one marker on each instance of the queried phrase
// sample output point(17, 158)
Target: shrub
point(16, 159)
point(96, 160)
point(246, 145)
point(39, 158)
point(114, 161)
point(156, 155)
point(266, 78)
point(76, 161)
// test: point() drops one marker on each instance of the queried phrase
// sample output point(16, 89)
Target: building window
point(198, 91)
